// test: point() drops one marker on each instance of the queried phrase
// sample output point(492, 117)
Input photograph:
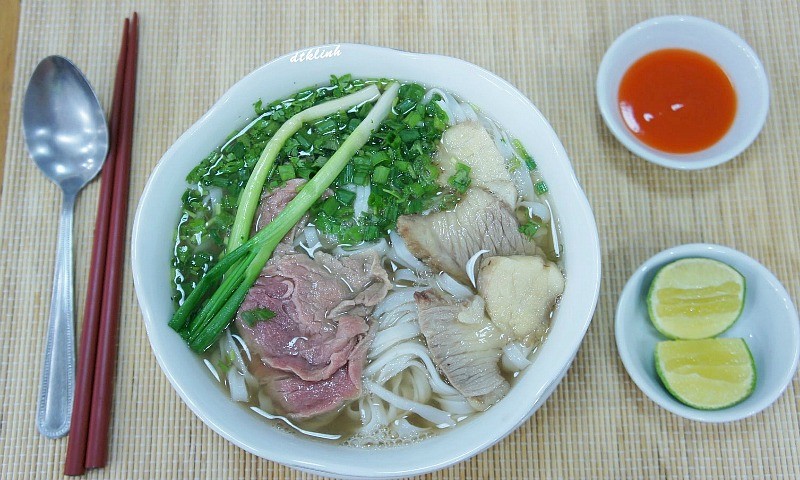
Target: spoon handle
point(58, 373)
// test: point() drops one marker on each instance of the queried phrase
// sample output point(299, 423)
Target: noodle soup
point(392, 309)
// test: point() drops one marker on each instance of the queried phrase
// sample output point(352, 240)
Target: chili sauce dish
point(683, 92)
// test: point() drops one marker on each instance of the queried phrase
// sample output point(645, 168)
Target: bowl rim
point(505, 423)
point(630, 297)
point(605, 89)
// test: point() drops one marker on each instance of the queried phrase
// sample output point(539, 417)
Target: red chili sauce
point(677, 101)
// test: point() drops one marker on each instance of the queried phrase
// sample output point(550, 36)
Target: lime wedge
point(707, 374)
point(695, 298)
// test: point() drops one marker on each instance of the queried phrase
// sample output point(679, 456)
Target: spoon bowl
point(67, 137)
point(65, 127)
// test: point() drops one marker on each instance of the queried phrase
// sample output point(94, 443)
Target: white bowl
point(768, 324)
point(731, 53)
point(157, 215)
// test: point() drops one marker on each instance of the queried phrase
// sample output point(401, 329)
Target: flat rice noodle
point(429, 413)
point(412, 349)
point(386, 338)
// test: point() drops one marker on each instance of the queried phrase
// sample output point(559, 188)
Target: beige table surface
point(597, 424)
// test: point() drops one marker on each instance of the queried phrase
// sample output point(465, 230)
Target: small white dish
point(727, 49)
point(769, 325)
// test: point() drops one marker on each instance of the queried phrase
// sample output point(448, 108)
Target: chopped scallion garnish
point(380, 175)
point(526, 157)
point(256, 315)
point(460, 180)
point(529, 229)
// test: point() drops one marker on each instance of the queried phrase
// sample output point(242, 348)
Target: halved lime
point(695, 298)
point(707, 374)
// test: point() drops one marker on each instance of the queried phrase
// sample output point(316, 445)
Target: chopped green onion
point(412, 119)
point(460, 180)
point(402, 166)
point(529, 229)
point(326, 126)
point(412, 91)
point(286, 172)
point(404, 106)
point(540, 187)
point(345, 197)
point(380, 158)
point(526, 157)
point(330, 206)
point(409, 135)
point(380, 174)
point(256, 315)
point(361, 179)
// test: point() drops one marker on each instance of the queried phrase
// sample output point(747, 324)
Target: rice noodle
point(406, 314)
point(412, 349)
point(419, 377)
point(524, 183)
point(360, 203)
point(213, 197)
point(400, 254)
point(231, 351)
point(285, 420)
point(469, 112)
point(556, 245)
point(455, 404)
point(311, 236)
point(237, 375)
point(429, 413)
point(212, 368)
point(237, 386)
point(537, 209)
point(515, 357)
point(406, 275)
point(451, 286)
point(406, 430)
point(448, 104)
point(243, 346)
point(501, 140)
point(394, 366)
point(373, 414)
point(396, 299)
point(471, 266)
point(392, 336)
point(431, 92)
point(378, 247)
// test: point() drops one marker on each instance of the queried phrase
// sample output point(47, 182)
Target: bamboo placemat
point(597, 424)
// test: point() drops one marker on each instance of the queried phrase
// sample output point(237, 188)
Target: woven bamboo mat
point(597, 424)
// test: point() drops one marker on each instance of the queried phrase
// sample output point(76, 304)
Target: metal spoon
point(67, 137)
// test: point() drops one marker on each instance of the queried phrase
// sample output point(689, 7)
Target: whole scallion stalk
point(251, 194)
point(240, 268)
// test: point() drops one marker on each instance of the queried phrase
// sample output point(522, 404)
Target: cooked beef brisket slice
point(467, 350)
point(447, 240)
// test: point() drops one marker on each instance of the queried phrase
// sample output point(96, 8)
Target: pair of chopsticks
point(91, 411)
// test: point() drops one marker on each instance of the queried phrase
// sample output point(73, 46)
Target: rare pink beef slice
point(313, 345)
point(300, 398)
point(271, 204)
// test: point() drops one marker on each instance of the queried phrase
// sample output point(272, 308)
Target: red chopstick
point(79, 423)
point(97, 446)
point(88, 439)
